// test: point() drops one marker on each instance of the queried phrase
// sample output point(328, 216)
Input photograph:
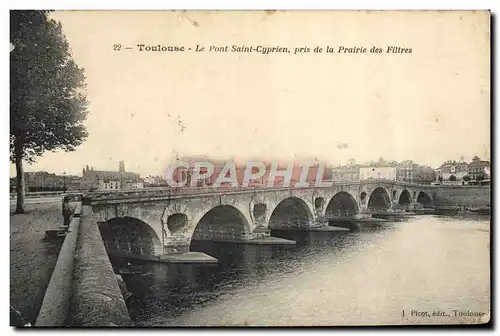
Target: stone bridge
point(164, 220)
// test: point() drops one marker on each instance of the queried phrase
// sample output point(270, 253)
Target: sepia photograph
point(260, 168)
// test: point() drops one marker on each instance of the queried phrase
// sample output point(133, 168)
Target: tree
point(452, 178)
point(47, 102)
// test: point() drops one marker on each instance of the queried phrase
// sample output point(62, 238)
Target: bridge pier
point(176, 248)
point(175, 244)
point(260, 236)
point(318, 221)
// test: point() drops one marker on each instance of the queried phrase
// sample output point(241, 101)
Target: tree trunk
point(19, 182)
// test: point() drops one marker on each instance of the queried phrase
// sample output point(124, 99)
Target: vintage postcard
point(249, 168)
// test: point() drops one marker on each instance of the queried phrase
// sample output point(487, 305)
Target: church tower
point(122, 167)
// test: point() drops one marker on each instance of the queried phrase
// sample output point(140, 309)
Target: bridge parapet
point(160, 193)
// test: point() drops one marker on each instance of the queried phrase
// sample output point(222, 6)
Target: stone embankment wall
point(83, 290)
point(97, 300)
point(462, 196)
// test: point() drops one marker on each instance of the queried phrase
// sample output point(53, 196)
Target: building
point(91, 178)
point(478, 169)
point(109, 185)
point(410, 172)
point(154, 181)
point(406, 171)
point(487, 172)
point(452, 171)
point(45, 181)
point(345, 173)
point(117, 184)
point(134, 185)
point(373, 172)
point(121, 167)
point(438, 173)
point(95, 175)
point(461, 171)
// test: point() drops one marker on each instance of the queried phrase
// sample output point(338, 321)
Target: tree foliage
point(47, 103)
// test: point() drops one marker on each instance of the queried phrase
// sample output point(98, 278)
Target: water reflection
point(328, 278)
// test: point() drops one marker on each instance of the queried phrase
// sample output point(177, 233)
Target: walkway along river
point(428, 269)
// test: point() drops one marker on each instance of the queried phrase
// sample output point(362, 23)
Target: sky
point(147, 107)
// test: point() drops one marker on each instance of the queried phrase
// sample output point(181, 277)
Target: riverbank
point(32, 259)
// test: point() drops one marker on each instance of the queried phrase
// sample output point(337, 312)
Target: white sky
point(429, 106)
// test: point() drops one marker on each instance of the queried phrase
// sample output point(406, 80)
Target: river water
point(426, 270)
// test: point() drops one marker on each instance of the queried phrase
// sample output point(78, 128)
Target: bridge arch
point(129, 235)
point(379, 199)
point(342, 204)
point(290, 211)
point(424, 199)
point(221, 222)
point(404, 198)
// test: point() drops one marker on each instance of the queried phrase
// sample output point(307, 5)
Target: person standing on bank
point(67, 212)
